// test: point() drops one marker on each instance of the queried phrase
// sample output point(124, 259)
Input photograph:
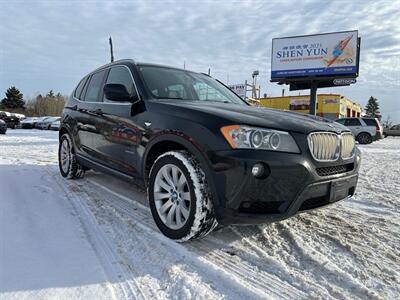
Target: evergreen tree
point(372, 108)
point(13, 99)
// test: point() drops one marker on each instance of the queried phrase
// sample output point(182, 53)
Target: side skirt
point(87, 162)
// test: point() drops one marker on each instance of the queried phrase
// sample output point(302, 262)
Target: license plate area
point(339, 190)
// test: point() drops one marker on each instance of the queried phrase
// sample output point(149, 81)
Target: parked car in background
point(46, 122)
point(365, 130)
point(40, 121)
point(205, 155)
point(392, 131)
point(20, 116)
point(55, 125)
point(3, 127)
point(11, 119)
point(29, 123)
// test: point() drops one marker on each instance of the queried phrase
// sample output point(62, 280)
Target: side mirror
point(117, 92)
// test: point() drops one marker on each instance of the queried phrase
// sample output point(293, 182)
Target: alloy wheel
point(172, 196)
point(64, 156)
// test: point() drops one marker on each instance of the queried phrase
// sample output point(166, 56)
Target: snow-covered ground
point(95, 238)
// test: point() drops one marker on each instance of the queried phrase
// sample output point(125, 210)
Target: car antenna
point(111, 49)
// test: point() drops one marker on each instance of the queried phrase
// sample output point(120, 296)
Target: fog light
point(258, 170)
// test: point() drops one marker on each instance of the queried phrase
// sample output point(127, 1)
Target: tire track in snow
point(356, 251)
point(107, 254)
point(140, 216)
point(331, 271)
point(354, 233)
point(146, 252)
point(273, 245)
point(251, 243)
point(252, 276)
point(143, 219)
point(246, 274)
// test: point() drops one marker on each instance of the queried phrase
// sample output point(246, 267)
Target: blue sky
point(51, 44)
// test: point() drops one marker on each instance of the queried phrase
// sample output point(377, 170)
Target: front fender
point(194, 148)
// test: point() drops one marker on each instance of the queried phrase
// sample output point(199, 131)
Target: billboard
point(239, 89)
point(328, 54)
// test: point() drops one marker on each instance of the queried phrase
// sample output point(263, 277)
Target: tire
point(173, 197)
point(364, 138)
point(67, 163)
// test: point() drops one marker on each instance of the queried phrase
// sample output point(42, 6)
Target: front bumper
point(294, 183)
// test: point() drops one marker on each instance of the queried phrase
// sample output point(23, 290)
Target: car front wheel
point(68, 165)
point(179, 197)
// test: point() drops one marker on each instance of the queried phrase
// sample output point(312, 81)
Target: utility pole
point(111, 49)
point(313, 97)
point(254, 88)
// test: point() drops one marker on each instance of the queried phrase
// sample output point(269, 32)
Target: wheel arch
point(63, 130)
point(173, 141)
point(364, 132)
point(167, 142)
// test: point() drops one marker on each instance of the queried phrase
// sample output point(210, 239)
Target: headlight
point(245, 137)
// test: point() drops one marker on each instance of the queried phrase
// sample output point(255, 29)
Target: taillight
point(378, 129)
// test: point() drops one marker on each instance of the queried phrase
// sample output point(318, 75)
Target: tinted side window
point(121, 75)
point(352, 122)
point(94, 87)
point(79, 88)
point(370, 122)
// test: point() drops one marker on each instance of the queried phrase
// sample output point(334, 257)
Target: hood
point(259, 116)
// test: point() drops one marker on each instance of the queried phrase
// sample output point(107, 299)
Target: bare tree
point(387, 123)
point(48, 105)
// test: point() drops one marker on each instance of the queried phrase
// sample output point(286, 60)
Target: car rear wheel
point(68, 165)
point(364, 138)
point(179, 197)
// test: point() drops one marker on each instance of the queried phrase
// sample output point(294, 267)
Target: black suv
point(205, 155)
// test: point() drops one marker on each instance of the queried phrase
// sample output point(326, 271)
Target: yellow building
point(330, 106)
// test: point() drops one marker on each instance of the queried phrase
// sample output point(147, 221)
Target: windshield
point(167, 83)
